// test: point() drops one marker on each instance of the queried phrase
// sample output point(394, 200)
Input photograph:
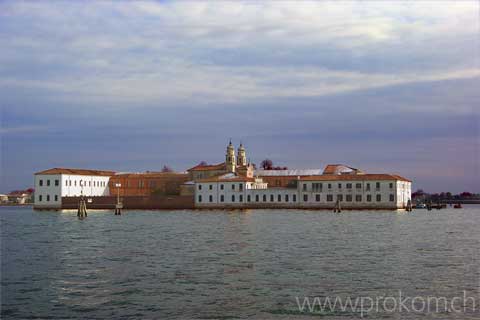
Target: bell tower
point(230, 158)
point(242, 156)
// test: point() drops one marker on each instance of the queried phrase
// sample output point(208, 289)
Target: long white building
point(359, 191)
point(53, 184)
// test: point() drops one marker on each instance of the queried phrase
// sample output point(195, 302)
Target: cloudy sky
point(130, 86)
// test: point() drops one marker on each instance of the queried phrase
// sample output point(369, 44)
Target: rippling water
point(231, 264)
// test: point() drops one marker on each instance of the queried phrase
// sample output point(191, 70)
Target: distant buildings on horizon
point(234, 183)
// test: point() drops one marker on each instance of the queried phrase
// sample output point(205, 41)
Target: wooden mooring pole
point(337, 208)
point(82, 208)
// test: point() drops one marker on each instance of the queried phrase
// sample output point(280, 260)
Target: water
point(231, 264)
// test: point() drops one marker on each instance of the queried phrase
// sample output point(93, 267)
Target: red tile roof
point(333, 168)
point(208, 167)
point(150, 175)
point(354, 177)
point(82, 172)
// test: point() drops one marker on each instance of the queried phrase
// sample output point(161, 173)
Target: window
point(358, 186)
point(199, 186)
point(210, 198)
point(256, 198)
point(200, 198)
point(329, 197)
point(240, 198)
point(349, 186)
point(392, 198)
point(390, 185)
point(240, 187)
point(369, 198)
point(56, 197)
point(57, 182)
point(66, 183)
point(48, 182)
point(222, 198)
point(339, 197)
point(339, 186)
point(358, 198)
point(141, 184)
point(305, 197)
point(40, 198)
point(272, 198)
point(233, 198)
point(249, 198)
point(304, 187)
point(233, 186)
point(286, 198)
point(221, 187)
point(89, 183)
point(278, 183)
point(48, 197)
point(40, 183)
point(75, 183)
point(329, 186)
point(379, 197)
point(264, 198)
point(377, 185)
point(279, 198)
point(348, 197)
point(368, 187)
point(294, 198)
point(210, 187)
point(317, 197)
point(317, 187)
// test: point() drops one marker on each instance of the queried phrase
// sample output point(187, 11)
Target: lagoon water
point(232, 264)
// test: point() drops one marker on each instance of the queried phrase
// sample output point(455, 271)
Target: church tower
point(242, 156)
point(230, 158)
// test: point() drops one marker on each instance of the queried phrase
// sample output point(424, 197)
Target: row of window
point(40, 198)
point(348, 198)
point(56, 181)
point(82, 183)
point(317, 186)
point(68, 183)
point(249, 198)
point(222, 187)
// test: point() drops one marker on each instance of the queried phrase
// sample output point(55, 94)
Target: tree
point(203, 163)
point(167, 169)
point(266, 164)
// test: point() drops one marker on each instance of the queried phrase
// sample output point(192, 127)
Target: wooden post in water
point(337, 208)
point(82, 208)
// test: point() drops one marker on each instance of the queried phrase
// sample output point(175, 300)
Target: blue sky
point(131, 86)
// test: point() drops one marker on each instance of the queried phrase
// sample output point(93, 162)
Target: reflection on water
point(221, 264)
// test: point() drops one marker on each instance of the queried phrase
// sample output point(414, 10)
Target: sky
point(384, 86)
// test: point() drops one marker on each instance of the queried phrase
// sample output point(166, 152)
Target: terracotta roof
point(82, 172)
point(335, 168)
point(354, 177)
point(150, 175)
point(220, 166)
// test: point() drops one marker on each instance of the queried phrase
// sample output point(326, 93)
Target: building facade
point(53, 184)
point(363, 191)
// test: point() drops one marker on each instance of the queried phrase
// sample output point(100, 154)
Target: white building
point(53, 184)
point(355, 191)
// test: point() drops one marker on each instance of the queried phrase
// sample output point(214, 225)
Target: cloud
point(203, 52)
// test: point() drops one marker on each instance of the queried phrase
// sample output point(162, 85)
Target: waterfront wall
point(133, 202)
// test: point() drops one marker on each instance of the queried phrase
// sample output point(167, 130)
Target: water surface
point(230, 264)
